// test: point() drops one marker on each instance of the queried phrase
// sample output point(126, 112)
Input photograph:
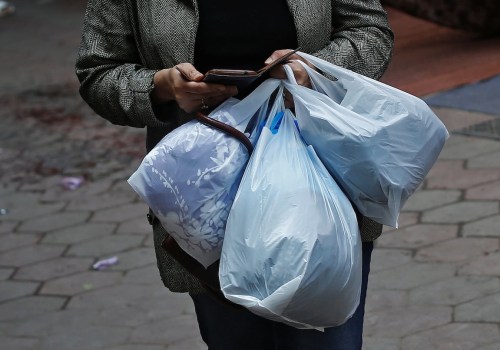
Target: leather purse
point(242, 79)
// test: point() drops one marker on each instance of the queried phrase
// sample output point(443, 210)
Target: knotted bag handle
point(227, 129)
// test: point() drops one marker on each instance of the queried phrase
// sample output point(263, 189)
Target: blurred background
point(65, 204)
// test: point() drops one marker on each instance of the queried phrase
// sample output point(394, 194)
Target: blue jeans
point(225, 328)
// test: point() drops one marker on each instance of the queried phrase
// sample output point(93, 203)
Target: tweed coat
point(125, 42)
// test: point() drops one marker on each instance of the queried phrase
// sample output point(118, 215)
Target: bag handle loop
point(227, 129)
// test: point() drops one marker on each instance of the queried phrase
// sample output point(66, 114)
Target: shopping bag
point(378, 142)
point(190, 178)
point(292, 250)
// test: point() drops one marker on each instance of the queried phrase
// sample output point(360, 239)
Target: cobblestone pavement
point(435, 282)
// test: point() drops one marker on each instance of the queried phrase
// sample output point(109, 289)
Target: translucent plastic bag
point(378, 142)
point(292, 250)
point(190, 178)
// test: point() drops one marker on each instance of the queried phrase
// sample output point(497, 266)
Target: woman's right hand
point(184, 84)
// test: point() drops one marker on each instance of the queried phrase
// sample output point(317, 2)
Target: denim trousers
point(225, 328)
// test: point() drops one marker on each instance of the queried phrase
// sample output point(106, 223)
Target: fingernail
point(269, 60)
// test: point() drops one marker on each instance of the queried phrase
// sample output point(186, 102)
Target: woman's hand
point(183, 84)
point(299, 72)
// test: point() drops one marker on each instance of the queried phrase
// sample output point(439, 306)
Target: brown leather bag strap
point(227, 129)
point(208, 277)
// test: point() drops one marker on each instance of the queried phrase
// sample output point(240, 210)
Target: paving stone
point(135, 226)
point(41, 185)
point(135, 258)
point(7, 189)
point(137, 347)
point(460, 212)
point(30, 254)
point(59, 193)
point(48, 322)
point(48, 270)
point(411, 275)
point(456, 119)
point(459, 336)
point(32, 210)
point(5, 273)
point(375, 343)
point(462, 147)
point(106, 245)
point(490, 160)
point(488, 227)
point(382, 298)
point(85, 338)
point(103, 201)
point(189, 344)
point(485, 309)
point(53, 222)
point(166, 303)
point(6, 328)
point(407, 219)
point(400, 322)
point(417, 236)
point(494, 346)
point(487, 191)
point(179, 328)
point(455, 290)
point(426, 199)
point(108, 167)
point(80, 282)
point(452, 174)
point(143, 275)
point(24, 309)
point(12, 343)
point(7, 226)
point(458, 250)
point(15, 240)
point(121, 185)
point(117, 295)
point(389, 258)
point(149, 241)
point(16, 289)
point(121, 213)
point(141, 311)
point(486, 265)
point(79, 233)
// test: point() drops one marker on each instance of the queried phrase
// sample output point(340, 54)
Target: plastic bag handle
point(329, 68)
point(289, 74)
point(251, 104)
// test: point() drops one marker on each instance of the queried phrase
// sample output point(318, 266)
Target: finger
point(189, 72)
point(289, 103)
point(201, 88)
point(298, 70)
point(301, 75)
point(278, 72)
point(277, 54)
point(211, 102)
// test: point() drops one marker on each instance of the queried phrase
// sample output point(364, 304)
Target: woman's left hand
point(299, 72)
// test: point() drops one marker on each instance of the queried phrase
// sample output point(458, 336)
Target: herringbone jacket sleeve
point(112, 80)
point(361, 39)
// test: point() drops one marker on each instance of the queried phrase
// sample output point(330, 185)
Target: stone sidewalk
point(435, 282)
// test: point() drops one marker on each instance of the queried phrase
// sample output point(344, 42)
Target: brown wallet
point(242, 78)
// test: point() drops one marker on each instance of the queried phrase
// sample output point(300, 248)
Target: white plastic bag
point(378, 142)
point(190, 178)
point(292, 250)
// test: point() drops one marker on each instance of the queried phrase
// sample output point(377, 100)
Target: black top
point(243, 34)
